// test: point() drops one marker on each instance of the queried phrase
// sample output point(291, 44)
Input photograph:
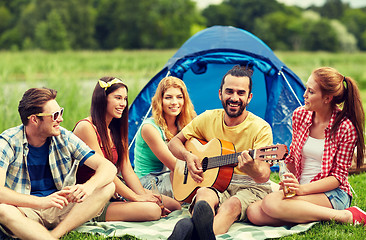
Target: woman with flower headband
point(171, 111)
point(321, 152)
point(106, 132)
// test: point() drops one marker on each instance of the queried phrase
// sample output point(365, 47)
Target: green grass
point(74, 75)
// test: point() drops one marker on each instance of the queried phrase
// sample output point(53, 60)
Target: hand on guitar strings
point(245, 162)
point(256, 169)
point(194, 167)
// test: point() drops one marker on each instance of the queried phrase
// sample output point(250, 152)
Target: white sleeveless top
point(311, 163)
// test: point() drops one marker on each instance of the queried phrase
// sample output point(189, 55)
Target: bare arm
point(176, 146)
point(105, 171)
point(8, 196)
point(134, 184)
point(291, 167)
point(152, 137)
point(85, 131)
point(319, 186)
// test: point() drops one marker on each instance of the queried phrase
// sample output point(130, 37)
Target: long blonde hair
point(184, 117)
point(346, 95)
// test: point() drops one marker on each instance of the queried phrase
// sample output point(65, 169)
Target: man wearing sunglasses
point(35, 158)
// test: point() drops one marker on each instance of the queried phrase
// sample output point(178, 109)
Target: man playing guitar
point(214, 212)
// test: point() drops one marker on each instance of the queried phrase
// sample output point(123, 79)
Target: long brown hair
point(184, 117)
point(118, 126)
point(346, 95)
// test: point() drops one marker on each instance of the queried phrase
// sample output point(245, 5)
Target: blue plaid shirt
point(63, 150)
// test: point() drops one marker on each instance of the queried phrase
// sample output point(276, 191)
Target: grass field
point(74, 75)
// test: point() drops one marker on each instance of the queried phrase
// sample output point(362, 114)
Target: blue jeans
point(339, 199)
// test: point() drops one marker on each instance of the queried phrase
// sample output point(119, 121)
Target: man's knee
point(253, 212)
point(204, 193)
point(107, 191)
point(231, 206)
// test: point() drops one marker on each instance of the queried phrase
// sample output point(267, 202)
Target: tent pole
point(143, 119)
point(292, 90)
point(134, 137)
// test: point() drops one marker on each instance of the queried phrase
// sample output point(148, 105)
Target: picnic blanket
point(162, 228)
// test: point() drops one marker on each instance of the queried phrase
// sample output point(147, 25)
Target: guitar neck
point(223, 160)
point(268, 154)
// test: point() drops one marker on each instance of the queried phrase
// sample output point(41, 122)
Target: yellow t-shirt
point(252, 133)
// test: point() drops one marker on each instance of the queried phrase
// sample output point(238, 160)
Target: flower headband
point(106, 85)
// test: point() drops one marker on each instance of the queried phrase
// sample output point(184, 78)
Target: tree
point(51, 34)
point(219, 15)
point(333, 9)
point(116, 24)
point(10, 39)
point(167, 23)
point(79, 20)
point(275, 30)
point(320, 35)
point(355, 21)
point(144, 23)
point(240, 13)
point(5, 19)
point(347, 41)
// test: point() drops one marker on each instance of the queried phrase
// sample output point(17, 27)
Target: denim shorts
point(162, 180)
point(339, 199)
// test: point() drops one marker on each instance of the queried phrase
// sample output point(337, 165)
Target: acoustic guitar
point(218, 161)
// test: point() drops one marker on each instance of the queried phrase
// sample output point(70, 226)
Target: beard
point(236, 113)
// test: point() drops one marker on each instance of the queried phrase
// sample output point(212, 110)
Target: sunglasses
point(54, 115)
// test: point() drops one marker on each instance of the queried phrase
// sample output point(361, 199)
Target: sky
point(306, 3)
point(301, 3)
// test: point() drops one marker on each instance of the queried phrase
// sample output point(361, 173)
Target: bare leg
point(257, 216)
point(171, 203)
point(299, 209)
point(20, 225)
point(84, 211)
point(209, 196)
point(133, 211)
point(226, 215)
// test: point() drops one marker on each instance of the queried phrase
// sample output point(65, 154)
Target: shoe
point(359, 216)
point(182, 230)
point(202, 219)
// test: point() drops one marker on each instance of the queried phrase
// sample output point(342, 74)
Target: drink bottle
point(157, 193)
point(70, 178)
point(283, 169)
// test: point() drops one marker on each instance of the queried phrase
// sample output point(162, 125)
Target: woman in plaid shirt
point(323, 142)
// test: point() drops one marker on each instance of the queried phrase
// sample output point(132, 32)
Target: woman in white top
point(321, 153)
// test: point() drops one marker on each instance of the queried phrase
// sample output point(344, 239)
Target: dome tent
point(203, 60)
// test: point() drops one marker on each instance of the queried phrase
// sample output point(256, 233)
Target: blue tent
point(201, 63)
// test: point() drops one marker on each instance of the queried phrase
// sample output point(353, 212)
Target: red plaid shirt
point(338, 151)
